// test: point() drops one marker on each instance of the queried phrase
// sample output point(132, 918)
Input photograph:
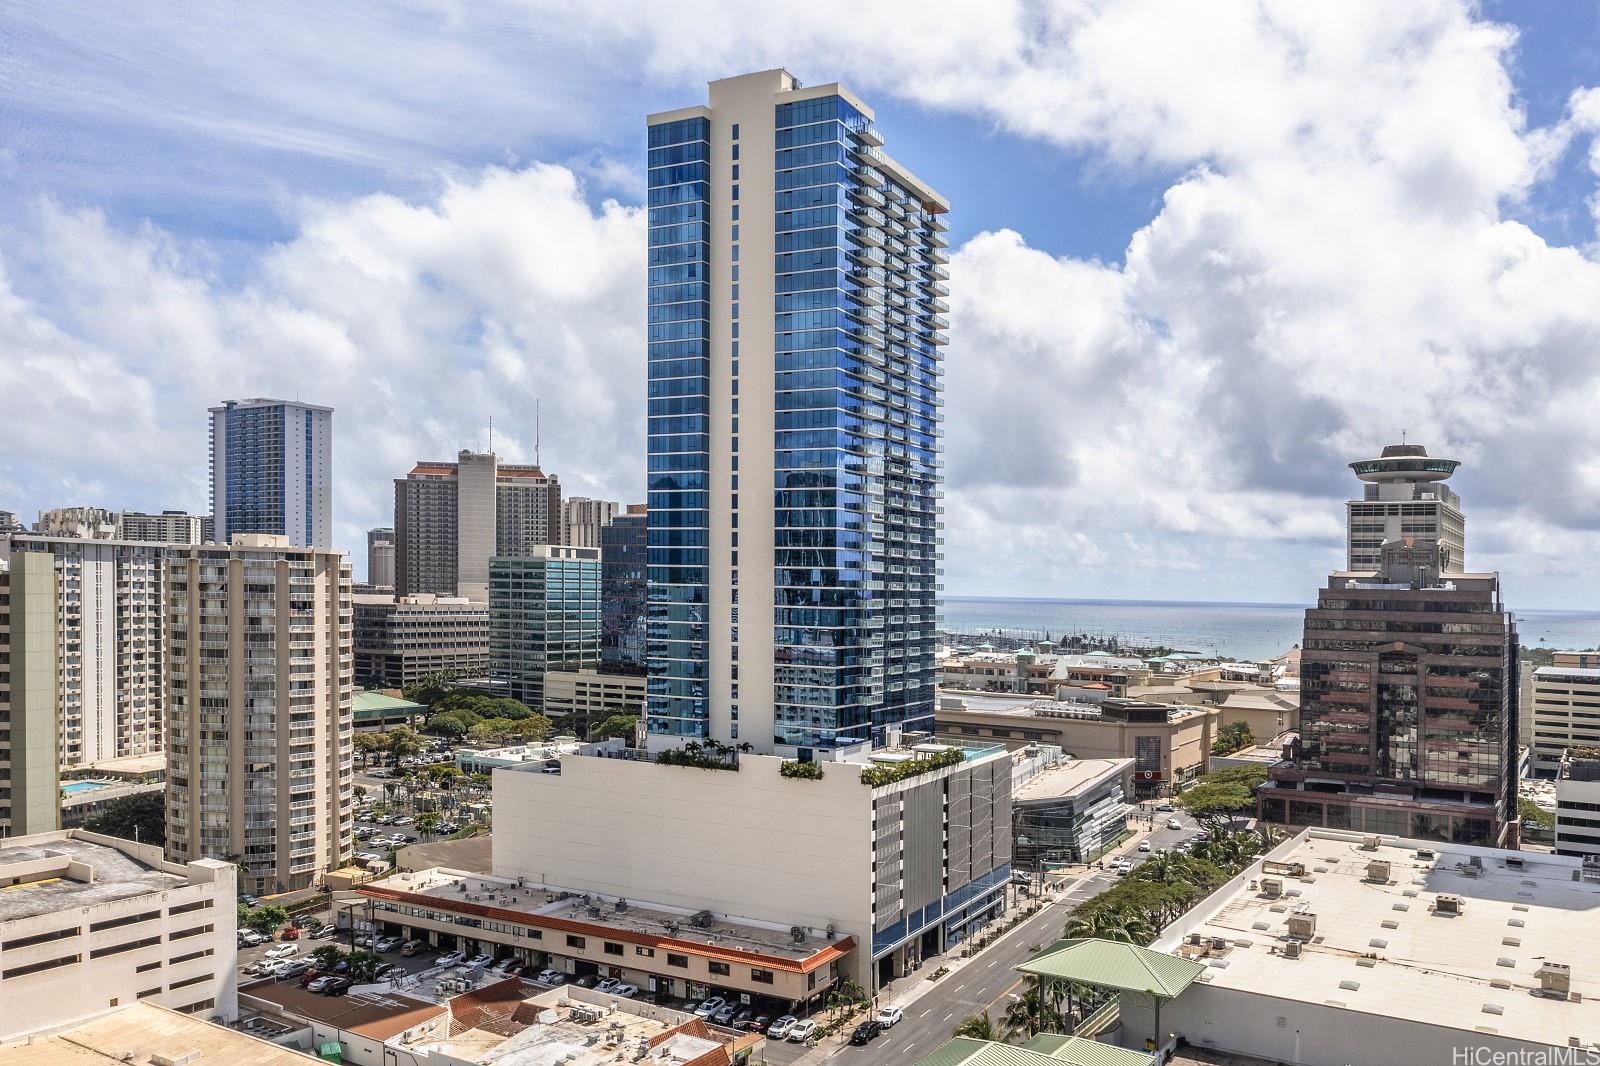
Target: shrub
point(707, 756)
point(808, 771)
point(880, 774)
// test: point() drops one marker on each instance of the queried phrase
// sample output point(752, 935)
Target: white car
point(888, 1016)
point(283, 951)
point(1144, 845)
point(451, 958)
point(480, 962)
point(608, 984)
point(625, 990)
point(1173, 823)
point(710, 1007)
point(551, 977)
point(780, 1028)
point(800, 1032)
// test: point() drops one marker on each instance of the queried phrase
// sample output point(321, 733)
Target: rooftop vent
point(1371, 843)
point(1291, 950)
point(1272, 887)
point(1555, 979)
point(1378, 871)
point(1449, 905)
point(1303, 926)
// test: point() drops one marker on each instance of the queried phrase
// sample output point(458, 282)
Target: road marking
point(947, 1017)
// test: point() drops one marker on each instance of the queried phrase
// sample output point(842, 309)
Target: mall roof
point(1067, 778)
point(1046, 1049)
point(1110, 964)
point(1386, 948)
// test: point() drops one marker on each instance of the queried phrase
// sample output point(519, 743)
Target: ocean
point(1240, 630)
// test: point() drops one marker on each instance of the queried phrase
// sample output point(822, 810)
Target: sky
point(1203, 256)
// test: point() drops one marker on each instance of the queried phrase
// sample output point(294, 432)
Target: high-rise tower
point(1405, 497)
point(796, 316)
point(272, 470)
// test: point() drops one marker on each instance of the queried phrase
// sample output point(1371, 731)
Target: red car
point(290, 932)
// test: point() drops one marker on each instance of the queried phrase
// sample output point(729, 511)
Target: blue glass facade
point(857, 330)
point(678, 406)
point(256, 438)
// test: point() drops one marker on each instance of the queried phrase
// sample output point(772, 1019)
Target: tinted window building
point(544, 614)
point(272, 470)
point(623, 555)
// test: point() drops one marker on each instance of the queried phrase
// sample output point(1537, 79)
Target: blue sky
point(1202, 259)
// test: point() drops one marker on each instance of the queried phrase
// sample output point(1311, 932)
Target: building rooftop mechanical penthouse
point(1405, 496)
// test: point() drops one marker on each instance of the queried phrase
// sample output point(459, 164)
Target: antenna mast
point(491, 434)
point(536, 432)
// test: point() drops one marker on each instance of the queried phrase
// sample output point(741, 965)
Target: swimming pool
point(74, 787)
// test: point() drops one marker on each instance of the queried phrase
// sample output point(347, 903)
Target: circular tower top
point(1404, 462)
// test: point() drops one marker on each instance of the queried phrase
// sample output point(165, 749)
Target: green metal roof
point(1065, 1051)
point(377, 701)
point(1110, 964)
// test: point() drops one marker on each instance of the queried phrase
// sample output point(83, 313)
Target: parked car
point(327, 932)
point(801, 1031)
point(388, 970)
point(413, 947)
point(364, 940)
point(509, 967)
point(724, 1016)
point(250, 938)
point(606, 984)
point(550, 977)
point(710, 1007)
point(249, 901)
point(290, 968)
point(888, 1016)
point(625, 990)
point(400, 819)
point(481, 962)
point(588, 980)
point(289, 932)
point(759, 1023)
point(451, 958)
point(283, 951)
point(336, 986)
point(742, 1018)
point(1144, 845)
point(866, 1033)
point(320, 982)
point(780, 1028)
point(385, 944)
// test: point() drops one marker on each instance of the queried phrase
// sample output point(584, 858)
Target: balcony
point(868, 195)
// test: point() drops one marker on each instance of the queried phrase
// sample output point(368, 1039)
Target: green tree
point(1029, 1015)
point(442, 776)
point(1218, 796)
point(618, 726)
point(977, 1026)
point(428, 823)
point(1235, 736)
point(1533, 816)
point(431, 689)
point(403, 742)
point(452, 724)
point(142, 818)
point(263, 919)
point(370, 744)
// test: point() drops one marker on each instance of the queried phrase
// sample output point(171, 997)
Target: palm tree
point(1108, 923)
point(1028, 1015)
point(428, 823)
point(978, 1026)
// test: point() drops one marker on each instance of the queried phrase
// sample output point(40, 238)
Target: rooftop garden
point(877, 775)
point(707, 755)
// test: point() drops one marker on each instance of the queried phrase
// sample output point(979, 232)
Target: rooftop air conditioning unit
point(1514, 862)
point(1449, 905)
point(1371, 843)
point(1555, 979)
point(1291, 950)
point(1303, 926)
point(1378, 871)
point(1272, 887)
point(1195, 939)
point(1426, 853)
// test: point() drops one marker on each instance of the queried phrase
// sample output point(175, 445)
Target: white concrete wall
point(747, 843)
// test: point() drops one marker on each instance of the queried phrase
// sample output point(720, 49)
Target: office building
point(1566, 713)
point(1405, 496)
point(578, 700)
point(107, 625)
point(1169, 743)
point(168, 527)
point(30, 796)
point(259, 724)
point(624, 569)
point(88, 522)
point(1041, 671)
point(91, 922)
point(1069, 811)
point(400, 641)
point(1583, 660)
point(1408, 705)
point(1578, 804)
point(1341, 947)
point(583, 518)
point(451, 518)
point(380, 557)
point(793, 594)
point(544, 614)
point(272, 470)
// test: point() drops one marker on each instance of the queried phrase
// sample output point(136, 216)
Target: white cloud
point(1338, 262)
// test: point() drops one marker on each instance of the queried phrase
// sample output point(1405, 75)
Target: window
point(191, 956)
point(533, 934)
point(613, 949)
point(721, 969)
point(196, 931)
point(763, 977)
point(39, 938)
point(648, 953)
point(185, 908)
point(127, 919)
point(147, 993)
point(22, 971)
point(187, 981)
point(678, 960)
point(132, 945)
point(576, 942)
point(142, 967)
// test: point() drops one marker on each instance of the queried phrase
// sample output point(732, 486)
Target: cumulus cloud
point(1339, 259)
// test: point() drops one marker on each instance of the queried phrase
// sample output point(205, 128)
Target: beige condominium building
point(1169, 744)
point(1566, 712)
point(30, 800)
point(260, 727)
point(168, 527)
point(90, 922)
point(583, 518)
point(107, 629)
point(578, 700)
point(451, 518)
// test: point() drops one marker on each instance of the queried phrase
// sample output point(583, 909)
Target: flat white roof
point(1067, 777)
point(1385, 949)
